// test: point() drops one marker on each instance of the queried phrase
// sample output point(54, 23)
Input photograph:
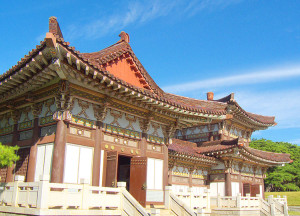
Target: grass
point(293, 198)
point(294, 213)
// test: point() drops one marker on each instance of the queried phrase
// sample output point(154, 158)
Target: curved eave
point(30, 73)
point(243, 117)
point(240, 153)
point(184, 157)
point(72, 57)
point(249, 155)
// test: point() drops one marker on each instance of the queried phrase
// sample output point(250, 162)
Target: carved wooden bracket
point(100, 112)
point(63, 99)
point(145, 123)
point(36, 109)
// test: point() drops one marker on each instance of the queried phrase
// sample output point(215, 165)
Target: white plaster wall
point(101, 168)
point(217, 188)
point(154, 195)
point(154, 174)
point(261, 191)
point(44, 160)
point(78, 163)
point(235, 188)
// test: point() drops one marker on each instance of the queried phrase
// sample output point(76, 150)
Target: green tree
point(8, 155)
point(281, 178)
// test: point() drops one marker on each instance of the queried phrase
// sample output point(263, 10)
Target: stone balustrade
point(45, 198)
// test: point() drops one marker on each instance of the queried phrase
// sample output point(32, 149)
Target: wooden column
point(143, 145)
point(228, 191)
point(97, 154)
point(58, 159)
point(263, 171)
point(191, 177)
point(10, 170)
point(166, 168)
point(240, 178)
point(33, 151)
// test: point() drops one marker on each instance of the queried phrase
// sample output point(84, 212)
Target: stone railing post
point(238, 200)
point(248, 200)
point(285, 206)
point(43, 192)
point(207, 191)
point(272, 204)
point(219, 201)
point(18, 179)
point(168, 190)
point(122, 186)
point(258, 196)
point(85, 193)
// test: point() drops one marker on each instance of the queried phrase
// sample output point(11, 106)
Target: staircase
point(159, 211)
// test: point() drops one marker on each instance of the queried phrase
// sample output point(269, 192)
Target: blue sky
point(251, 48)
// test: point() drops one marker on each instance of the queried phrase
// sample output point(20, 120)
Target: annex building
point(101, 117)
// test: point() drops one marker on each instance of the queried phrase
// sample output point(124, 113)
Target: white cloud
point(295, 141)
point(283, 104)
point(140, 12)
point(250, 77)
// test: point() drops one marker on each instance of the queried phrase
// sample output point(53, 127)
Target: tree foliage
point(8, 155)
point(282, 178)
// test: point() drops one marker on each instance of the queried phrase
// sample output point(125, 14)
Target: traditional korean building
point(100, 116)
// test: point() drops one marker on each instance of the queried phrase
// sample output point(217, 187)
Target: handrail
point(45, 196)
point(130, 205)
point(184, 209)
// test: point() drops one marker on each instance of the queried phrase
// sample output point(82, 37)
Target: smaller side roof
point(187, 148)
point(219, 146)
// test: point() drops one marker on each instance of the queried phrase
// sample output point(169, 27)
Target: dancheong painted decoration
point(100, 116)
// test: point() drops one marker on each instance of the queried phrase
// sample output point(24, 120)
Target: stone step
point(160, 211)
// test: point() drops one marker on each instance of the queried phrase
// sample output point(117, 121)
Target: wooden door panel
point(111, 169)
point(138, 178)
point(246, 188)
point(254, 190)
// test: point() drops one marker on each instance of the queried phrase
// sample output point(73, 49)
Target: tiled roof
point(261, 118)
point(215, 106)
point(23, 61)
point(112, 52)
point(97, 59)
point(278, 157)
point(217, 146)
point(187, 148)
point(211, 106)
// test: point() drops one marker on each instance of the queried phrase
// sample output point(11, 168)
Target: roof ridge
point(209, 101)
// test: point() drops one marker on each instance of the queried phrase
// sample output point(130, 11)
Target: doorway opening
point(123, 174)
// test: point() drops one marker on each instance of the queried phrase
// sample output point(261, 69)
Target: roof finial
point(54, 27)
point(124, 37)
